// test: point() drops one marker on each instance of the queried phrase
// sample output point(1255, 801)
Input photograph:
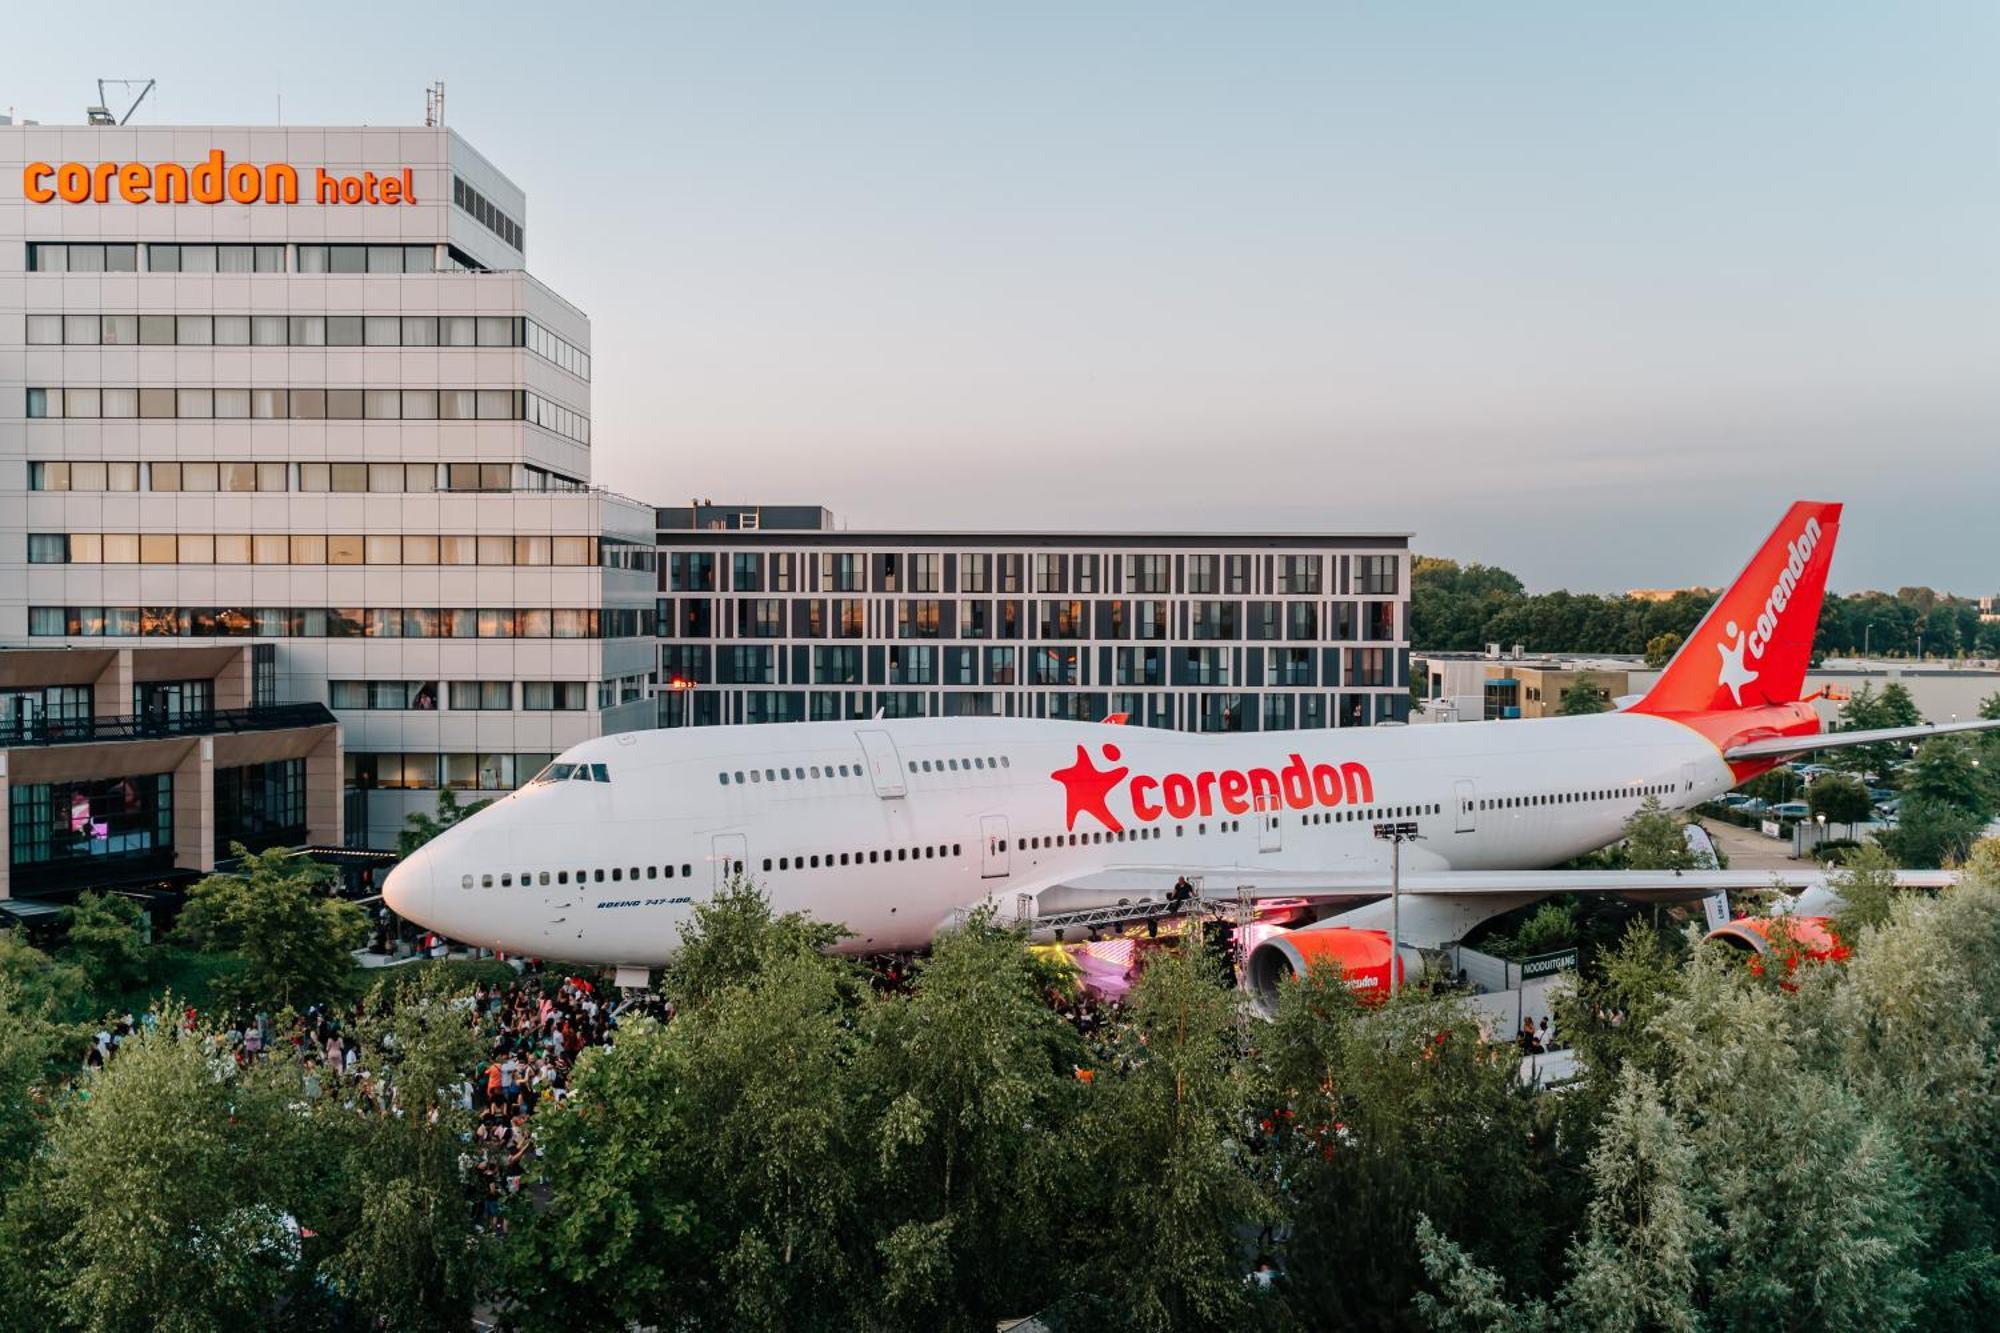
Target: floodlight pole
point(1396, 835)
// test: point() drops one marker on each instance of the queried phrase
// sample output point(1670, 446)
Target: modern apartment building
point(772, 614)
point(295, 386)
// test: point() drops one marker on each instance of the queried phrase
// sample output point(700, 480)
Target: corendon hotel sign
point(214, 181)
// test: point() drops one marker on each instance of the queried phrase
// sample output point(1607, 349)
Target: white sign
point(1716, 908)
point(1771, 829)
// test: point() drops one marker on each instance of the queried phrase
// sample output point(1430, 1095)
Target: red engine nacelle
point(1811, 938)
point(1364, 958)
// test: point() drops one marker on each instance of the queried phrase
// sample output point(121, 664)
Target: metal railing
point(158, 726)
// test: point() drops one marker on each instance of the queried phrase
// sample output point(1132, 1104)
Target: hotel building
point(294, 390)
point(772, 614)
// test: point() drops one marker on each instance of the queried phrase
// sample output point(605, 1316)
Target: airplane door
point(1462, 796)
point(727, 854)
point(885, 766)
point(1270, 831)
point(993, 863)
point(1687, 779)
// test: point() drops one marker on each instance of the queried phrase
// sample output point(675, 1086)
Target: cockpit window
point(553, 773)
point(598, 773)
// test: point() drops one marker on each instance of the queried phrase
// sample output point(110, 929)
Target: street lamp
point(1396, 835)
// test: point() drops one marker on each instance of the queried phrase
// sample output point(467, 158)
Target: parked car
point(1735, 800)
point(1882, 794)
point(1752, 806)
point(1791, 810)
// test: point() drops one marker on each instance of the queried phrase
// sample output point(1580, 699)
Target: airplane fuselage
point(893, 827)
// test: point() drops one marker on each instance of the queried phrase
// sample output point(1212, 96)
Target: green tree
point(1656, 839)
point(1946, 770)
point(1155, 1238)
point(1929, 833)
point(40, 980)
point(729, 938)
point(160, 1201)
point(1841, 800)
point(615, 1244)
point(419, 828)
point(105, 937)
point(403, 1245)
point(34, 1048)
point(1381, 1117)
point(968, 1086)
point(277, 912)
point(1660, 649)
point(1582, 699)
point(1866, 887)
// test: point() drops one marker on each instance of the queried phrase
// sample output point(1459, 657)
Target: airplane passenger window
point(1003, 762)
point(913, 765)
point(545, 877)
point(785, 774)
point(753, 775)
point(465, 881)
point(686, 870)
point(486, 881)
point(767, 863)
point(506, 881)
point(722, 778)
point(617, 874)
point(815, 770)
point(598, 876)
point(769, 776)
point(955, 851)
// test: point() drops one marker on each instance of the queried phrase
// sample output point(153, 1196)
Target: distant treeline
point(1462, 608)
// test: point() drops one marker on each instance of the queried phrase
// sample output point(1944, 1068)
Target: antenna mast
point(434, 106)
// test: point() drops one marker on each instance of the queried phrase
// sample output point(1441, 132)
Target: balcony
point(210, 722)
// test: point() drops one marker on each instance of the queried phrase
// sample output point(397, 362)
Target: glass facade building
point(773, 615)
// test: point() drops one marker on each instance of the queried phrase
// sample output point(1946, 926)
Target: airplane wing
point(1257, 882)
point(1834, 740)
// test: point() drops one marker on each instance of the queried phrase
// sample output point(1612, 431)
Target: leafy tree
point(1660, 649)
point(1868, 710)
point(1840, 799)
point(106, 939)
point(968, 1085)
point(1380, 1118)
point(1582, 699)
point(614, 1246)
point(1866, 886)
point(404, 1249)
point(160, 1201)
point(729, 938)
point(420, 828)
point(34, 1047)
point(1656, 839)
point(41, 981)
point(277, 913)
point(1776, 786)
point(1946, 771)
point(1155, 1238)
point(1929, 833)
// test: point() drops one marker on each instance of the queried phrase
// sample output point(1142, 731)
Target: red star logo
point(1086, 786)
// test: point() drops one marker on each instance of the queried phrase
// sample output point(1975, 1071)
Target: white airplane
point(895, 828)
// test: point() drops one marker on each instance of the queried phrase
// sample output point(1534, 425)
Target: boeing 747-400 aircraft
point(893, 828)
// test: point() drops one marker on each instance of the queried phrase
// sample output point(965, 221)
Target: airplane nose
point(410, 888)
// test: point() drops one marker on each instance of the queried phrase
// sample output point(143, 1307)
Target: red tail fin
point(1754, 646)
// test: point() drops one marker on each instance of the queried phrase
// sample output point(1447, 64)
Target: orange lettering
point(245, 183)
point(281, 184)
point(392, 190)
point(133, 181)
point(350, 189)
point(1204, 785)
point(368, 187)
point(1234, 785)
point(207, 179)
point(73, 182)
point(1360, 785)
point(170, 183)
point(100, 181)
point(1264, 788)
point(32, 177)
point(326, 187)
point(409, 188)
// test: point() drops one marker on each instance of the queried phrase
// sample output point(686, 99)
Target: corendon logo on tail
point(1734, 672)
point(1088, 789)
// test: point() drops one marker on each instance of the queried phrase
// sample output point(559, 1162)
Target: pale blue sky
point(1585, 290)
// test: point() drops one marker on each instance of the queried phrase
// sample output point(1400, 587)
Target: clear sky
point(1585, 290)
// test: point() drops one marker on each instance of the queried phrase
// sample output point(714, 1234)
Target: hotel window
point(1368, 666)
point(1299, 574)
point(1086, 573)
point(850, 619)
point(975, 573)
point(926, 573)
point(555, 696)
point(918, 620)
point(842, 572)
point(482, 695)
point(1000, 666)
point(1049, 573)
point(1149, 620)
point(1377, 575)
point(1201, 573)
point(1149, 573)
